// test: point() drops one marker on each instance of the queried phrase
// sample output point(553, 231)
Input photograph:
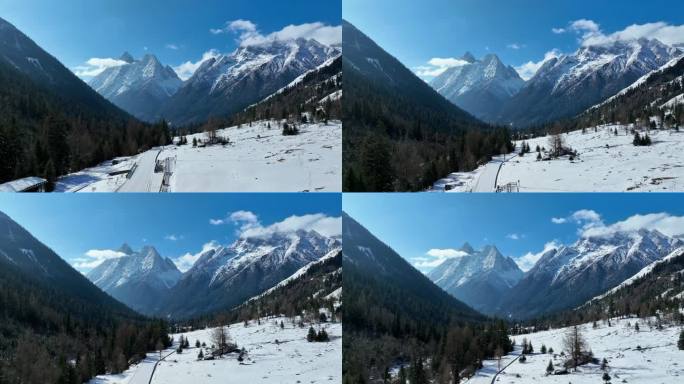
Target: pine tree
point(311, 336)
point(636, 327)
point(197, 344)
point(606, 377)
point(543, 349)
point(200, 355)
point(549, 368)
point(604, 364)
point(680, 344)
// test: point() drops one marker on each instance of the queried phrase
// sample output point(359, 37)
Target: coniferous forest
point(399, 134)
point(50, 336)
point(47, 134)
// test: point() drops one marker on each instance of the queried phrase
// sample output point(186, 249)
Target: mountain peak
point(466, 247)
point(127, 57)
point(125, 248)
point(468, 57)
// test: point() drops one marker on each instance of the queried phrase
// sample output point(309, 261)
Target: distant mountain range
point(563, 87)
point(480, 87)
point(141, 87)
point(478, 278)
point(562, 278)
point(221, 279)
point(140, 279)
point(221, 86)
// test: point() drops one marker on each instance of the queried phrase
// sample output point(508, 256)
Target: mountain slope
point(384, 282)
point(140, 87)
point(318, 91)
point(228, 83)
point(657, 288)
point(570, 275)
point(480, 87)
point(659, 94)
point(569, 84)
point(140, 279)
point(400, 134)
point(394, 316)
point(57, 326)
point(51, 122)
point(478, 278)
point(225, 277)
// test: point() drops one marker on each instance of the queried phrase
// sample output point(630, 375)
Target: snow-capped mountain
point(569, 84)
point(140, 87)
point(230, 82)
point(477, 278)
point(570, 275)
point(26, 264)
point(479, 86)
point(140, 279)
point(26, 66)
point(226, 276)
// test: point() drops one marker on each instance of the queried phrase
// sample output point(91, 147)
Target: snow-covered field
point(656, 361)
point(606, 163)
point(258, 159)
point(292, 359)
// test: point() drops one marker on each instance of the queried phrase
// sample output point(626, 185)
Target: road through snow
point(486, 181)
point(143, 178)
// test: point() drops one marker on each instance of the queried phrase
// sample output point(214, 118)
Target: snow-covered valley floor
point(258, 159)
point(649, 356)
point(290, 359)
point(606, 163)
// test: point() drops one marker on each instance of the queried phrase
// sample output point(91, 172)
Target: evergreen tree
point(680, 343)
point(311, 336)
point(549, 368)
point(606, 377)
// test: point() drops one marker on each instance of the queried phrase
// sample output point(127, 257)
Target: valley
point(649, 355)
point(256, 158)
point(273, 355)
point(605, 162)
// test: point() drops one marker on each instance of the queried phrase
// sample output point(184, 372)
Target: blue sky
point(520, 225)
point(85, 229)
point(519, 31)
point(177, 31)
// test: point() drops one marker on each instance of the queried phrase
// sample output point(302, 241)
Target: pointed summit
point(468, 57)
point(125, 248)
point(466, 247)
point(127, 57)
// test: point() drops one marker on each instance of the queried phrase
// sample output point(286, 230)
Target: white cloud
point(173, 237)
point(527, 261)
point(527, 70)
point(558, 31)
point(95, 257)
point(662, 222)
point(324, 225)
point(96, 65)
point(434, 257)
point(591, 34)
point(187, 69)
point(559, 220)
point(515, 46)
point(249, 34)
point(172, 47)
point(514, 236)
point(186, 261)
point(248, 225)
point(437, 65)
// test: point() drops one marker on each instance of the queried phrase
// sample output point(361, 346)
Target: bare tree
point(499, 354)
point(221, 338)
point(556, 144)
point(575, 344)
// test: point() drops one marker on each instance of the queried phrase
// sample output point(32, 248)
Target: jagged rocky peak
point(125, 248)
point(466, 247)
point(468, 57)
point(127, 57)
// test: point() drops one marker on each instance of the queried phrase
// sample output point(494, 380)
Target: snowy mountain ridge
point(230, 82)
point(479, 86)
point(228, 275)
point(569, 275)
point(145, 265)
point(477, 277)
point(567, 85)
